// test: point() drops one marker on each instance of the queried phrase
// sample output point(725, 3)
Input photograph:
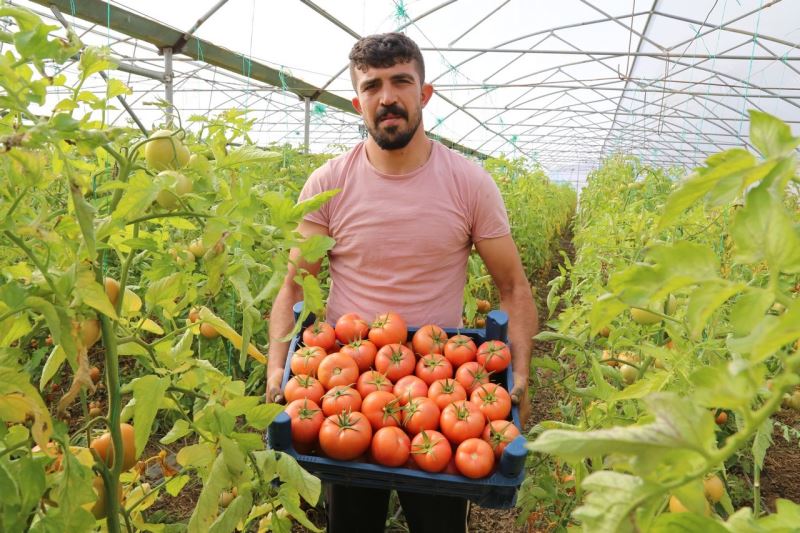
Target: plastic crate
point(498, 491)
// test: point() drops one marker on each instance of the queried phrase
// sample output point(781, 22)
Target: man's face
point(390, 101)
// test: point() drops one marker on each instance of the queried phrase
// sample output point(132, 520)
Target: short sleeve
point(490, 218)
point(316, 183)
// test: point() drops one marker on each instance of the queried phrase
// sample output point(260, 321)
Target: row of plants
point(678, 343)
point(135, 270)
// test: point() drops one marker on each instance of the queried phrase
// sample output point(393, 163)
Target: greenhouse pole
point(306, 133)
point(168, 84)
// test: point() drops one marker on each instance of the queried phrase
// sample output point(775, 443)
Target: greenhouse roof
point(560, 83)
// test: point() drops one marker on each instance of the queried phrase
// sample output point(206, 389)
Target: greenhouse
point(406, 266)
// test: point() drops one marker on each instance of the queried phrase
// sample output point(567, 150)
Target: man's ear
point(356, 104)
point(427, 93)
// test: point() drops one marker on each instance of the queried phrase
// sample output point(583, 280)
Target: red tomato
point(493, 401)
point(363, 353)
point(432, 367)
point(341, 398)
point(306, 360)
point(320, 334)
point(372, 380)
point(345, 436)
point(460, 349)
point(337, 369)
point(351, 327)
point(498, 433)
point(395, 360)
point(302, 386)
point(461, 421)
point(388, 328)
point(382, 409)
point(474, 458)
point(471, 375)
point(431, 451)
point(409, 387)
point(494, 355)
point(429, 339)
point(306, 421)
point(390, 446)
point(420, 414)
point(446, 391)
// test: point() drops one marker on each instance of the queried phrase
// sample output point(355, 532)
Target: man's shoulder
point(333, 170)
point(463, 167)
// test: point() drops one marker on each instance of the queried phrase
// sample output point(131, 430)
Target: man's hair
point(385, 50)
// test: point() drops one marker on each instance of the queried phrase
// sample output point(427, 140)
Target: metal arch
point(642, 36)
point(492, 12)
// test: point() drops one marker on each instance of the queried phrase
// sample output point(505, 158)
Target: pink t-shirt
point(402, 241)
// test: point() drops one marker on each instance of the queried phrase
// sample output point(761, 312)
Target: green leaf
point(611, 499)
point(117, 88)
point(762, 442)
point(702, 181)
point(261, 416)
point(769, 335)
point(679, 425)
point(705, 300)
point(315, 247)
point(51, 366)
point(292, 474)
point(313, 203)
point(749, 309)
point(148, 391)
point(720, 387)
point(205, 513)
point(770, 135)
point(60, 325)
point(140, 192)
point(313, 299)
point(175, 484)
point(653, 381)
point(764, 231)
point(686, 523)
point(290, 500)
point(165, 292)
point(94, 60)
point(244, 154)
point(197, 455)
point(786, 517)
point(93, 294)
point(604, 310)
point(85, 214)
point(235, 513)
point(180, 429)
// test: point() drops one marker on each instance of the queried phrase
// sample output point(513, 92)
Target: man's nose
point(388, 96)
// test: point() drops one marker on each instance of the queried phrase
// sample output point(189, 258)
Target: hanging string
point(749, 71)
point(708, 85)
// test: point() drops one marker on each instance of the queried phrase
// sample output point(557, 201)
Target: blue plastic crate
point(498, 491)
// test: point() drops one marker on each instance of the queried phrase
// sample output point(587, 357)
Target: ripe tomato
point(431, 451)
point(320, 334)
point(429, 339)
point(461, 421)
point(471, 375)
point(493, 401)
point(474, 458)
point(341, 398)
point(337, 369)
point(362, 351)
point(460, 349)
point(306, 420)
point(372, 380)
point(498, 433)
point(104, 447)
point(306, 360)
point(432, 367)
point(390, 446)
point(420, 414)
point(345, 436)
point(351, 327)
point(303, 386)
point(382, 409)
point(446, 391)
point(395, 360)
point(388, 328)
point(494, 355)
point(409, 387)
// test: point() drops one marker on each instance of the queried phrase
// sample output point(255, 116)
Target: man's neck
point(401, 161)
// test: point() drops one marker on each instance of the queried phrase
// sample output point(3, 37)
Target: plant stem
point(16, 240)
point(169, 215)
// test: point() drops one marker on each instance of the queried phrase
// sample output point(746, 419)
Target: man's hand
point(520, 398)
point(274, 392)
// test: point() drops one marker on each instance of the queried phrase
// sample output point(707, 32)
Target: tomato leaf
point(293, 475)
point(749, 309)
point(18, 398)
point(234, 514)
point(769, 335)
point(148, 391)
point(290, 499)
point(720, 387)
point(180, 429)
point(261, 416)
point(770, 135)
point(762, 442)
point(205, 513)
point(199, 456)
point(245, 154)
point(787, 516)
point(165, 292)
point(611, 498)
point(93, 294)
point(705, 300)
point(673, 522)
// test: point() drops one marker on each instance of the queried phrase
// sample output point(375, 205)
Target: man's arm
point(281, 320)
point(503, 263)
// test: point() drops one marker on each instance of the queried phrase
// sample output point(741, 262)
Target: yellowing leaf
point(148, 325)
point(229, 333)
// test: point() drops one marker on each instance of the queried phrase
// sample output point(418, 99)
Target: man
point(407, 216)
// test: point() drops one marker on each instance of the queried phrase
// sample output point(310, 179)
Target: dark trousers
point(352, 509)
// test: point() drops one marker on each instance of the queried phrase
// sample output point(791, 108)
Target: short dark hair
point(385, 50)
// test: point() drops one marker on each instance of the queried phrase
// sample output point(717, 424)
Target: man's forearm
point(281, 322)
point(523, 324)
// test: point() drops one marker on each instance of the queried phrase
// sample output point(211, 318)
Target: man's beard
point(392, 138)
